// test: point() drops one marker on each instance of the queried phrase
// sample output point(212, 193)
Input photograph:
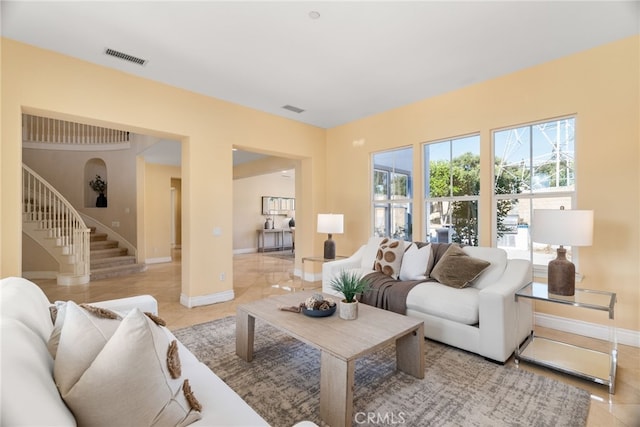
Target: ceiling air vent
point(294, 109)
point(125, 56)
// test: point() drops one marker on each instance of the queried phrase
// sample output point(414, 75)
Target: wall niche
point(95, 183)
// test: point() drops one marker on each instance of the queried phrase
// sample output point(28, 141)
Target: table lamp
point(562, 227)
point(331, 224)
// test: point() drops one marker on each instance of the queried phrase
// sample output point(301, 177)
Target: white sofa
point(483, 318)
point(28, 393)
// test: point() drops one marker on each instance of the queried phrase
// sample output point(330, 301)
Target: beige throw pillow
point(389, 257)
point(75, 341)
point(457, 269)
point(129, 382)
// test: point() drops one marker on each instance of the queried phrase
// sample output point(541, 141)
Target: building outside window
point(534, 169)
point(452, 190)
point(392, 193)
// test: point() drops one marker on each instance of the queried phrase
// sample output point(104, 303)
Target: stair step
point(122, 270)
point(97, 237)
point(112, 261)
point(108, 253)
point(103, 244)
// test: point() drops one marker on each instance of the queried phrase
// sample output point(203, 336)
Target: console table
point(278, 238)
point(582, 362)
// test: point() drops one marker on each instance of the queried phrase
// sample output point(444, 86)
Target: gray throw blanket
point(391, 294)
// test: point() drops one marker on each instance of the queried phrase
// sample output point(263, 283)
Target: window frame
point(390, 203)
point(474, 198)
point(539, 270)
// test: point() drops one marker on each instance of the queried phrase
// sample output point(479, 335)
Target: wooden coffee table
point(340, 342)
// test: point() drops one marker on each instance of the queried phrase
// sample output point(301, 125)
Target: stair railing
point(41, 202)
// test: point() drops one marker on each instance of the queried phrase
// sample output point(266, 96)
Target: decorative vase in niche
point(101, 201)
point(268, 224)
point(348, 310)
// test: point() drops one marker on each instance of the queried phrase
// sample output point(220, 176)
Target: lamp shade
point(330, 223)
point(562, 227)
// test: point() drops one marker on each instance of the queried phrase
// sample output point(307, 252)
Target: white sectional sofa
point(482, 318)
point(28, 393)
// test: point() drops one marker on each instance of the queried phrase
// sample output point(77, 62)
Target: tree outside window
point(452, 189)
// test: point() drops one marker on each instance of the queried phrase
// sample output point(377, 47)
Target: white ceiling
point(358, 59)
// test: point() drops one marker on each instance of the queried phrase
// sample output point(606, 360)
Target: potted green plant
point(350, 284)
point(99, 186)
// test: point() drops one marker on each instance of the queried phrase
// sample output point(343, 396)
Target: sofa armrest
point(146, 303)
point(503, 322)
point(331, 269)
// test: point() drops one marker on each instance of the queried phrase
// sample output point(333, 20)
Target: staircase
point(82, 252)
point(108, 259)
point(49, 219)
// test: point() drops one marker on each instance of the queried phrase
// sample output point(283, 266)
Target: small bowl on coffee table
point(319, 313)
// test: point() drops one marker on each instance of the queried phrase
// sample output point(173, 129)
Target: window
point(392, 193)
point(452, 189)
point(534, 169)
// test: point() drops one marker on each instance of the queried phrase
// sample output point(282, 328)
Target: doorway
point(255, 177)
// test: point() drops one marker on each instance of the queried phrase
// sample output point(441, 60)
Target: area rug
point(282, 384)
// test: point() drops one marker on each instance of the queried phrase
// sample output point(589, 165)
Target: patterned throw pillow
point(389, 257)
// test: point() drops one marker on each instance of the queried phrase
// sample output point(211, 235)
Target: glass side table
point(316, 259)
point(582, 362)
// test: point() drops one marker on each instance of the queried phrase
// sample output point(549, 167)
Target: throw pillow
point(389, 257)
point(81, 336)
point(414, 262)
point(57, 316)
point(130, 383)
point(457, 269)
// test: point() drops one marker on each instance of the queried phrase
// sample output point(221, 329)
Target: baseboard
point(39, 274)
point(191, 302)
point(158, 260)
point(587, 329)
point(245, 251)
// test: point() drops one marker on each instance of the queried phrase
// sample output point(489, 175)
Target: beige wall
point(247, 208)
point(176, 185)
point(37, 81)
point(157, 216)
point(599, 86)
point(36, 261)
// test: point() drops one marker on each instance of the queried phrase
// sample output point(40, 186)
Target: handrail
point(43, 203)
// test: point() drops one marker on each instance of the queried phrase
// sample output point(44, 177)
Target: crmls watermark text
point(386, 418)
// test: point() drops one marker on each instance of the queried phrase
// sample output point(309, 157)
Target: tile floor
point(258, 276)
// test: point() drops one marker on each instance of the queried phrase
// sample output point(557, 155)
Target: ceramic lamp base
point(562, 275)
point(329, 248)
